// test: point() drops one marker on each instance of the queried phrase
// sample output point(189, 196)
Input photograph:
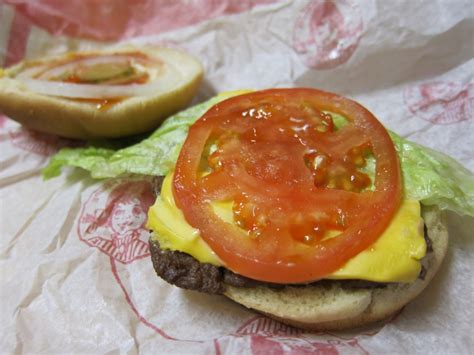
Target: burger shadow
point(75, 176)
point(215, 305)
point(205, 92)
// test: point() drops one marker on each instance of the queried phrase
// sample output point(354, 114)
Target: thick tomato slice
point(294, 179)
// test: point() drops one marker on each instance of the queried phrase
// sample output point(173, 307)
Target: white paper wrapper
point(75, 271)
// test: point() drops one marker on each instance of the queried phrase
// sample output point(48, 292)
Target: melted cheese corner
point(394, 257)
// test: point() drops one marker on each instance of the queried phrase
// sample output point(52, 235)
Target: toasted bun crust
point(323, 308)
point(75, 119)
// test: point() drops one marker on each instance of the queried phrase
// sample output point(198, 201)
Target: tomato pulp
point(302, 204)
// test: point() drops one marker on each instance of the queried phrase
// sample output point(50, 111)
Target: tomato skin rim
point(326, 257)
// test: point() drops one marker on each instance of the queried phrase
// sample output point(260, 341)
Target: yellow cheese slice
point(394, 257)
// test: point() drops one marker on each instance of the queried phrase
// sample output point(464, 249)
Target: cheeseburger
point(291, 202)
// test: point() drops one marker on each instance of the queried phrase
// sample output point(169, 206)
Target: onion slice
point(167, 81)
point(31, 72)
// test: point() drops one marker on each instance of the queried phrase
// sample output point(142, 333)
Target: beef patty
point(183, 270)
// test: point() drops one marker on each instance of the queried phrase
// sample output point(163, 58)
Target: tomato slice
point(293, 179)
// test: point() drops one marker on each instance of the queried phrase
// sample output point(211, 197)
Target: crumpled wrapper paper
point(75, 271)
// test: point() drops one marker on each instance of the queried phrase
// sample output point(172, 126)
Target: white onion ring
point(31, 71)
point(167, 81)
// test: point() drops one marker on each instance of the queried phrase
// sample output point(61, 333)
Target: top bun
point(46, 95)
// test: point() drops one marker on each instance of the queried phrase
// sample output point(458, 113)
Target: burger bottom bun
point(332, 307)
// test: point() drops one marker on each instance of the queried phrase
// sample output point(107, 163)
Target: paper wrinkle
point(401, 63)
point(23, 228)
point(412, 67)
point(66, 227)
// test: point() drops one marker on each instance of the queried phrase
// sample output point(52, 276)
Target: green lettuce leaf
point(429, 176)
point(435, 178)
